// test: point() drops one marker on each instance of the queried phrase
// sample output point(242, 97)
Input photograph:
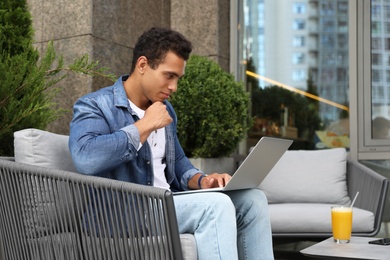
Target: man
point(128, 132)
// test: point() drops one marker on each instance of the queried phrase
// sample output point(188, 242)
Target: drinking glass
point(341, 223)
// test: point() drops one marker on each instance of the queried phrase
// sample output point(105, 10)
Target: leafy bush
point(27, 84)
point(212, 109)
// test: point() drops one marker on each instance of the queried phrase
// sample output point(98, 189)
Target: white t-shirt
point(156, 140)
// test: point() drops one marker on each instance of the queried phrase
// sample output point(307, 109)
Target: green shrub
point(212, 109)
point(27, 84)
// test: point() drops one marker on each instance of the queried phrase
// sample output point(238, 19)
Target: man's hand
point(156, 117)
point(213, 180)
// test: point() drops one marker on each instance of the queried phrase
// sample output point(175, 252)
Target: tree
point(27, 84)
point(312, 89)
point(269, 102)
point(16, 32)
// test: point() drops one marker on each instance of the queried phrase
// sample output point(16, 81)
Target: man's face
point(158, 84)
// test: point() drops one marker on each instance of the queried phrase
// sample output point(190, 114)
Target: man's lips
point(166, 95)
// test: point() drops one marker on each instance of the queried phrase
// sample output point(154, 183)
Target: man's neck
point(134, 94)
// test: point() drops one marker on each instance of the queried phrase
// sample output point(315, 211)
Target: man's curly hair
point(155, 43)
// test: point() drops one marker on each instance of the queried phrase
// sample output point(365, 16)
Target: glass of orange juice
point(341, 224)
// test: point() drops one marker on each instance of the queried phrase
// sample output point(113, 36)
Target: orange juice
point(341, 224)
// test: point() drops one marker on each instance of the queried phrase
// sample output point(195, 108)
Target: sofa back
point(42, 148)
point(43, 199)
point(309, 176)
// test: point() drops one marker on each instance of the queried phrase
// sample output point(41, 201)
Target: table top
point(357, 248)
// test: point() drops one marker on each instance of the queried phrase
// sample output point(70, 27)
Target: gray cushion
point(309, 177)
point(188, 246)
point(42, 148)
point(313, 218)
point(43, 198)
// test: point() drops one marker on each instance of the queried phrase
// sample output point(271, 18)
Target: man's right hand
point(156, 117)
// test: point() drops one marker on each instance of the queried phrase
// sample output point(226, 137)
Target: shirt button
point(147, 162)
point(149, 183)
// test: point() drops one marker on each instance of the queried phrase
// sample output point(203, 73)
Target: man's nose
point(173, 86)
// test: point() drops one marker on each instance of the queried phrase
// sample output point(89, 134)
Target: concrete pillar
point(107, 32)
point(207, 24)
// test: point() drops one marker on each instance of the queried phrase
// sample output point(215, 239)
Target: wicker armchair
point(54, 214)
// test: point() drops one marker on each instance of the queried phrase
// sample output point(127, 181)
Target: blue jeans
point(231, 225)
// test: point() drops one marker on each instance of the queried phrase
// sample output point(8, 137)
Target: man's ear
point(141, 65)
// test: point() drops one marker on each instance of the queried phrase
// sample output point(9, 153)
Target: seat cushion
point(42, 148)
point(44, 199)
point(309, 177)
point(312, 218)
point(188, 246)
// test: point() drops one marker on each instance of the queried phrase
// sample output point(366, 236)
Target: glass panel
point(295, 55)
point(380, 69)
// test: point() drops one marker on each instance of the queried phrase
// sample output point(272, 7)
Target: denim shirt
point(103, 141)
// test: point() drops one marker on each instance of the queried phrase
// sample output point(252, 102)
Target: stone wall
point(107, 32)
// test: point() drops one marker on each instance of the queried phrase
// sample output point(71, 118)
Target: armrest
point(41, 208)
point(372, 189)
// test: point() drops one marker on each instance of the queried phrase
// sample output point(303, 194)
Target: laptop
point(256, 166)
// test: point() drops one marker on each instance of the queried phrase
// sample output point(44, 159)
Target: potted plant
point(212, 109)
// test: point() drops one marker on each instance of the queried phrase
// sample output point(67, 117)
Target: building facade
point(293, 40)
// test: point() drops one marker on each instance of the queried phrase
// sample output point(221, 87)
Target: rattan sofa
point(46, 209)
point(49, 211)
point(303, 186)
point(44, 213)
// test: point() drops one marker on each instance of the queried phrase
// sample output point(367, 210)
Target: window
point(328, 25)
point(342, 75)
point(376, 59)
point(327, 8)
point(299, 8)
point(342, 40)
point(376, 76)
point(342, 8)
point(298, 58)
point(299, 41)
point(376, 43)
point(375, 11)
point(299, 75)
point(386, 10)
point(375, 28)
point(327, 40)
point(327, 75)
point(299, 24)
point(315, 35)
point(387, 27)
point(372, 75)
point(343, 26)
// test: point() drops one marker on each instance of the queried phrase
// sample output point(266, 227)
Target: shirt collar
point(120, 97)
